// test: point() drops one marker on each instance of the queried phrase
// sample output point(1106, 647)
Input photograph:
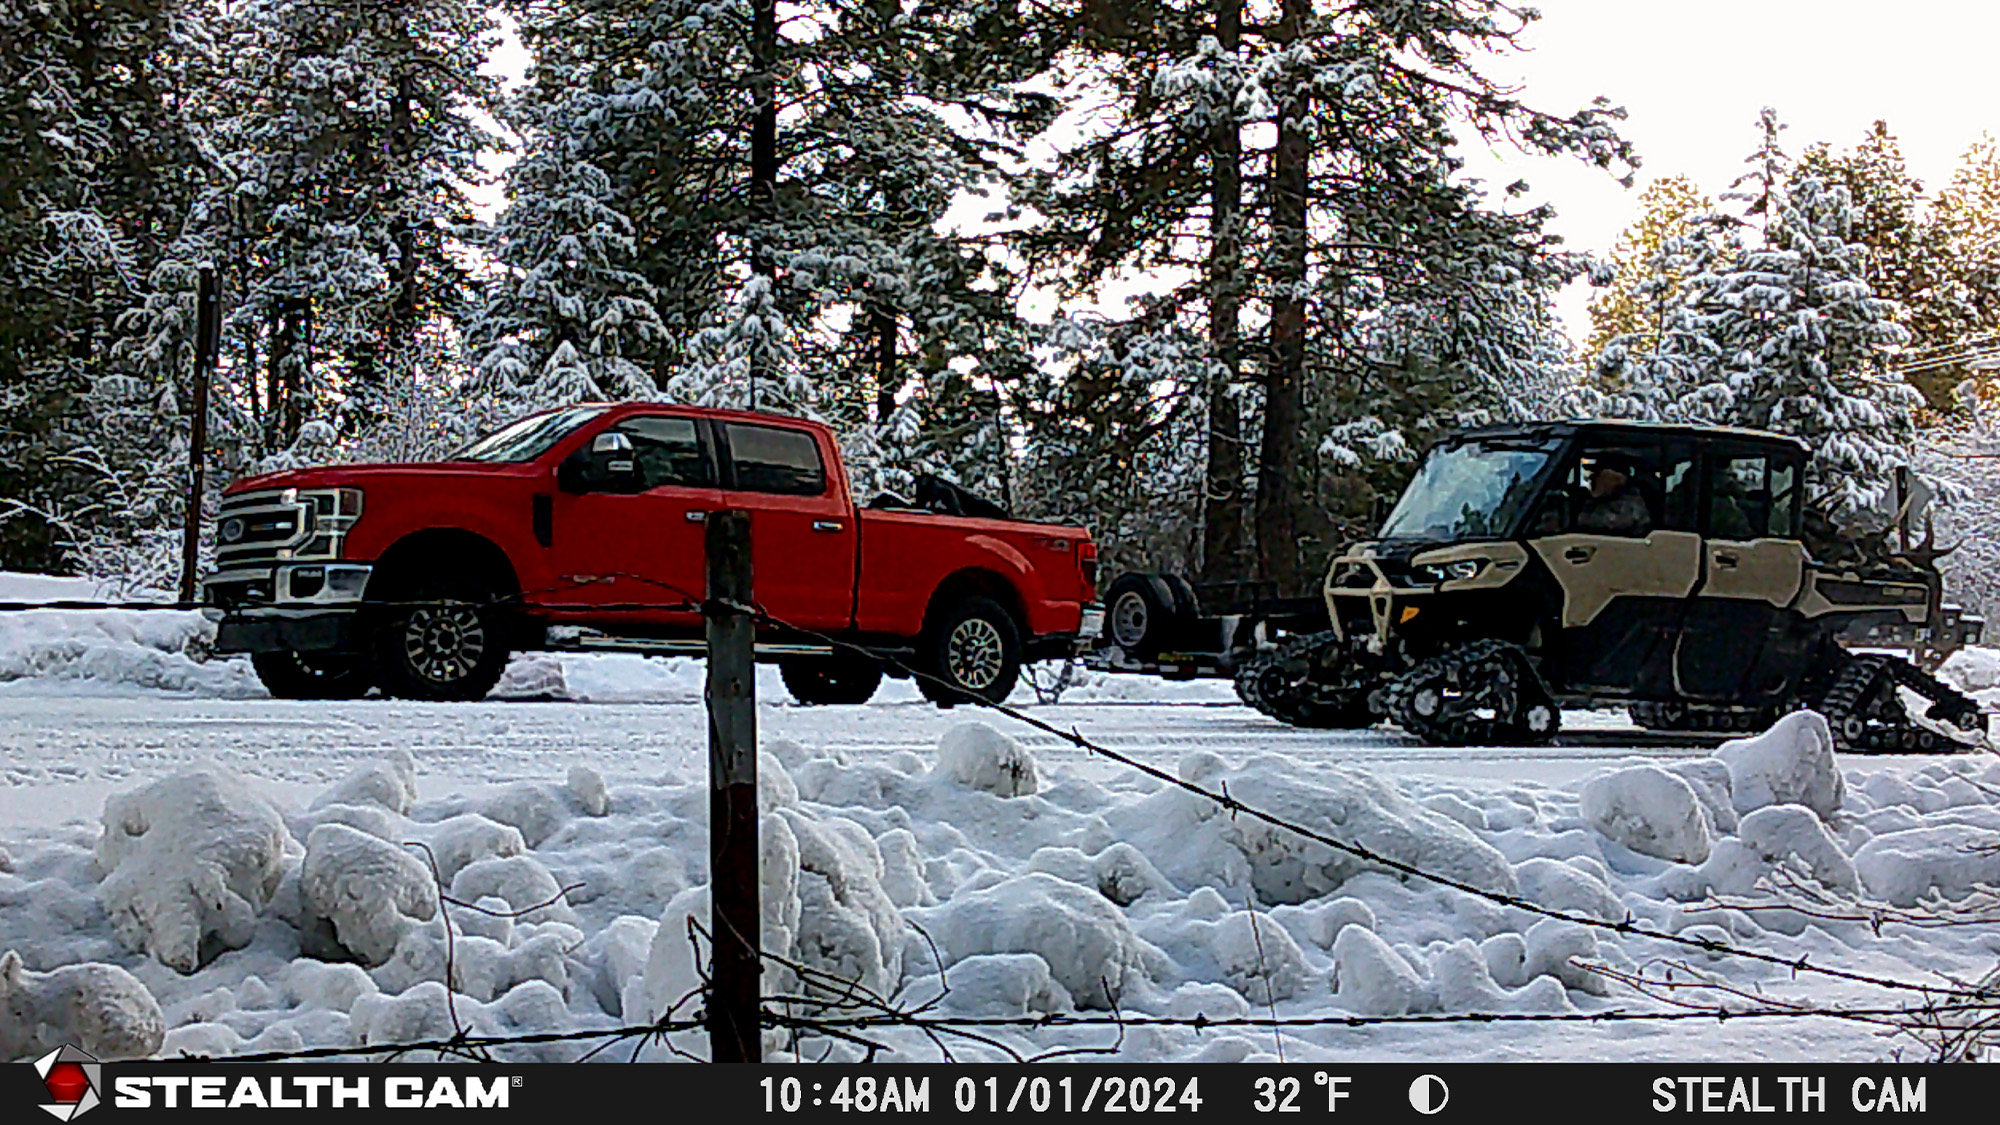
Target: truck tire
point(1141, 614)
point(973, 651)
point(819, 680)
point(313, 675)
point(451, 650)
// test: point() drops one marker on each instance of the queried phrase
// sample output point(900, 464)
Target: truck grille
point(263, 528)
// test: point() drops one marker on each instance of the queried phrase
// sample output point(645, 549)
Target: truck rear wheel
point(313, 675)
point(831, 679)
point(451, 646)
point(973, 652)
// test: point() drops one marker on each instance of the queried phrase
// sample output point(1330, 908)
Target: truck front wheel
point(973, 651)
point(313, 675)
point(448, 644)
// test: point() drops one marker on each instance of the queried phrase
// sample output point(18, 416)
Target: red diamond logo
point(67, 1082)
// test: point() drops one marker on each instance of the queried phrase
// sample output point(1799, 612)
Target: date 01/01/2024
point(991, 1095)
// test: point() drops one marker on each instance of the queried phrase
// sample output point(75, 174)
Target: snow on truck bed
point(930, 855)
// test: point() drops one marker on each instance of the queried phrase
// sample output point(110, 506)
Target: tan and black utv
point(1669, 569)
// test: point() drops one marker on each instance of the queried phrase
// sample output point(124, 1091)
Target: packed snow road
point(908, 845)
point(65, 746)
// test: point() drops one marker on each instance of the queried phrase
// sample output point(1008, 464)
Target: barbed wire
point(1949, 997)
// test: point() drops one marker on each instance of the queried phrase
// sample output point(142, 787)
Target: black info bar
point(807, 1093)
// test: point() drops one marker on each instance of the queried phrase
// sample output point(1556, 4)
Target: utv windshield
point(528, 438)
point(1470, 491)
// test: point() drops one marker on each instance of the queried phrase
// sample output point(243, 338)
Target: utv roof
point(1574, 426)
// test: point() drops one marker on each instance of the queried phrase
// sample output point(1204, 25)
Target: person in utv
point(1615, 505)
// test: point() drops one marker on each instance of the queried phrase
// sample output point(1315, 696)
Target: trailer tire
point(823, 680)
point(972, 652)
point(1141, 614)
point(313, 675)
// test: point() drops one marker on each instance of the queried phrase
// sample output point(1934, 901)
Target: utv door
point(1624, 584)
point(1735, 648)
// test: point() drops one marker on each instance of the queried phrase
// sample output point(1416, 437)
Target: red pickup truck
point(582, 529)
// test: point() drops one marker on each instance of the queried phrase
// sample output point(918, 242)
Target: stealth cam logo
point(73, 1080)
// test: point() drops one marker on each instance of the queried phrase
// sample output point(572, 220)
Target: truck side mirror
point(607, 465)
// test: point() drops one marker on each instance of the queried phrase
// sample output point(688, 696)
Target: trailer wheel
point(313, 675)
point(973, 652)
point(1140, 614)
point(820, 680)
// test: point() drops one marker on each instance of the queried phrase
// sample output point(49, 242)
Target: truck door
point(1732, 649)
point(643, 547)
point(802, 525)
point(1625, 554)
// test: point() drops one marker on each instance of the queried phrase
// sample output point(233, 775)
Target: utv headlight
point(1455, 569)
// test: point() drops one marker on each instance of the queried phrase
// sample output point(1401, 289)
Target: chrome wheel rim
point(1128, 619)
point(974, 653)
point(444, 643)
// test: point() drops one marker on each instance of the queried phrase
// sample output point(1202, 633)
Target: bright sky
point(1694, 73)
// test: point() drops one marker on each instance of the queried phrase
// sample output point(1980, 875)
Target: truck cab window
point(668, 452)
point(769, 459)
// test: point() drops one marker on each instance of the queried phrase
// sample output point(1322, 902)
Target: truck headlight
point(1455, 569)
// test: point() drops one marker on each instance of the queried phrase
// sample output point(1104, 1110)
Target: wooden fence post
point(735, 1004)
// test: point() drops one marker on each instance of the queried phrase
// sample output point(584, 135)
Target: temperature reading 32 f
point(1281, 1095)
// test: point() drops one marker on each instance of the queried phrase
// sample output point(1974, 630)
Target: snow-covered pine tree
point(568, 319)
point(839, 292)
point(1805, 341)
point(345, 151)
point(96, 163)
point(1643, 280)
point(1665, 365)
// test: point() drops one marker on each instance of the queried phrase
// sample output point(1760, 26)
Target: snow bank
point(1094, 887)
point(1906, 867)
point(1181, 832)
point(1790, 764)
point(190, 860)
point(1088, 944)
point(100, 1008)
point(366, 889)
point(978, 757)
point(1650, 811)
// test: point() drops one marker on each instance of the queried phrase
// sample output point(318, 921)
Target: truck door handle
point(1579, 554)
point(1725, 560)
point(828, 525)
point(696, 515)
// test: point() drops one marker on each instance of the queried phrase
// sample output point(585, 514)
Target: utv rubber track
point(1866, 713)
point(1279, 682)
point(1484, 693)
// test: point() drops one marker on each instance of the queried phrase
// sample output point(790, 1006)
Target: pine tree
point(1631, 305)
point(1782, 331)
point(1959, 307)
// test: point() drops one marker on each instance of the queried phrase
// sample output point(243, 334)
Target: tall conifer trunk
point(1223, 533)
point(763, 160)
point(1278, 499)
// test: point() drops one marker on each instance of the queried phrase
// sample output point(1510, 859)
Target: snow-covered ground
point(157, 810)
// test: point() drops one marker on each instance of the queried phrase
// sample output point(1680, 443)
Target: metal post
point(734, 881)
point(207, 328)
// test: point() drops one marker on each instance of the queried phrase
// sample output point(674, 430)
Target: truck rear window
point(768, 459)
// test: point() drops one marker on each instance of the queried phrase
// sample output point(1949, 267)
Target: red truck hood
point(360, 476)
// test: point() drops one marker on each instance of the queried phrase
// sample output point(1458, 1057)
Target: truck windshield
point(528, 438)
point(1469, 491)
